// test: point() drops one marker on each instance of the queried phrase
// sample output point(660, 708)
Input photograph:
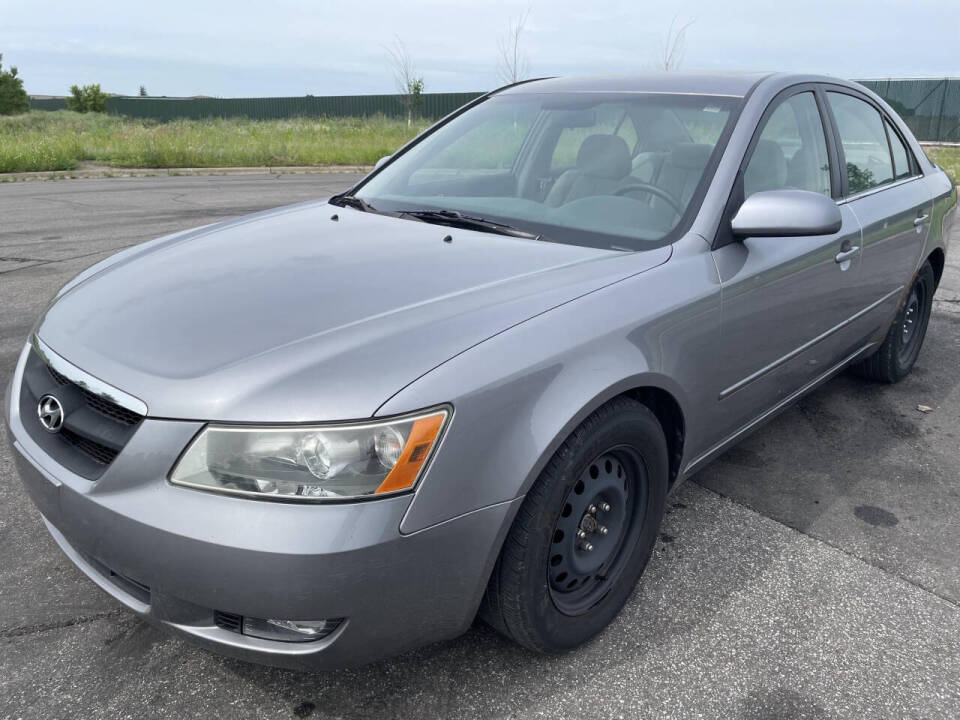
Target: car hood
point(292, 315)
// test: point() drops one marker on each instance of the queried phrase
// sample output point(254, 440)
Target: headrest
point(767, 169)
point(605, 156)
point(690, 156)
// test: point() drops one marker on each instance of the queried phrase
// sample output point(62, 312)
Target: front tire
point(894, 359)
point(552, 588)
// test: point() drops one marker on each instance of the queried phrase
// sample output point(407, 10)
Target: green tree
point(88, 98)
point(13, 98)
point(409, 83)
point(143, 91)
point(415, 91)
point(859, 179)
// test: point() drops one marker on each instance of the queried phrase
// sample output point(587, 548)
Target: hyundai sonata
point(328, 433)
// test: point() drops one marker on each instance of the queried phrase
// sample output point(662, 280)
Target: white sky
point(236, 48)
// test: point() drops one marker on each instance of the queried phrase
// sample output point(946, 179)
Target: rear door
point(787, 302)
point(881, 185)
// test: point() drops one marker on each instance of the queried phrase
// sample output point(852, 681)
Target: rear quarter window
point(901, 156)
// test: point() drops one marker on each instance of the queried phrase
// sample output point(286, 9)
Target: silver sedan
point(335, 431)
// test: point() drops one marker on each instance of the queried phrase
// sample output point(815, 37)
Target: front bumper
point(176, 555)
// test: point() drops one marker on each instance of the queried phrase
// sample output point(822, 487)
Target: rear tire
point(894, 359)
point(548, 592)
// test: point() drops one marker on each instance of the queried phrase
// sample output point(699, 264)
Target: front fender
point(518, 395)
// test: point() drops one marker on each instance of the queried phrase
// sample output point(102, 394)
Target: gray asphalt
point(812, 572)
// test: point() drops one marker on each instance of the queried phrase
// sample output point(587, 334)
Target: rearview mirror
point(575, 118)
point(786, 213)
point(381, 161)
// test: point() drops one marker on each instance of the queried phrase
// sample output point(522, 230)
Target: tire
point(894, 359)
point(529, 598)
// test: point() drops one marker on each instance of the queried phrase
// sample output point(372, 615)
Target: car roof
point(735, 84)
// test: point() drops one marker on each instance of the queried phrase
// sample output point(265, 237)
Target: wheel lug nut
point(605, 507)
point(602, 530)
point(592, 509)
point(581, 534)
point(586, 547)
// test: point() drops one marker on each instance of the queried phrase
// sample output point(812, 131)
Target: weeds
point(61, 140)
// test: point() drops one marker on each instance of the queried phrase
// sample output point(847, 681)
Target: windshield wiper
point(352, 201)
point(454, 218)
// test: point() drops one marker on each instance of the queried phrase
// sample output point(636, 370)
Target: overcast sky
point(233, 48)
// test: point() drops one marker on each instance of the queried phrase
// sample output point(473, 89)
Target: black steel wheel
point(915, 313)
point(894, 359)
point(600, 519)
point(584, 532)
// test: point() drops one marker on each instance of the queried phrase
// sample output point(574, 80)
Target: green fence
point(930, 106)
point(433, 106)
point(48, 103)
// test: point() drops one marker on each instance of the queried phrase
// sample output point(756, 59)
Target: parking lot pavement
point(812, 572)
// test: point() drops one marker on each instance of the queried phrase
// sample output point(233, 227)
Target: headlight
point(312, 463)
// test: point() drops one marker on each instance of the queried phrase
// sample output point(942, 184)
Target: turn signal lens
point(415, 453)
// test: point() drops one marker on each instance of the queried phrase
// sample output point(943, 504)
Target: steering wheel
point(651, 190)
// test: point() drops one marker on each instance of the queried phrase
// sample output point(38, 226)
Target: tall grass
point(947, 157)
point(61, 140)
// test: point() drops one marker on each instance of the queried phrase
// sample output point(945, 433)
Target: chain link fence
point(930, 106)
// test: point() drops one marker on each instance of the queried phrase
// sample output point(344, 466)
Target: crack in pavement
point(60, 200)
point(38, 263)
point(822, 541)
point(179, 199)
point(46, 627)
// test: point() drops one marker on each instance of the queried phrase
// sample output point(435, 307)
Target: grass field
point(62, 140)
point(948, 158)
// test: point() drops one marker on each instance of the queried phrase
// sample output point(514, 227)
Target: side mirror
point(381, 161)
point(786, 213)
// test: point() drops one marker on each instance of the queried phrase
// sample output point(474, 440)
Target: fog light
point(288, 630)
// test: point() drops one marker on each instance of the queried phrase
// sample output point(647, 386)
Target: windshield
point(606, 170)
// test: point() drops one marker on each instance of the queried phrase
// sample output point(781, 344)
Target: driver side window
point(791, 151)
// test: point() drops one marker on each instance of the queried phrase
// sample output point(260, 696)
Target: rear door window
point(864, 141)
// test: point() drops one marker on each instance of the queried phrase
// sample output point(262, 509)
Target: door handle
point(920, 220)
point(845, 255)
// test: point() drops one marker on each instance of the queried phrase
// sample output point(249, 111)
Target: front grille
point(57, 377)
point(97, 452)
point(101, 405)
point(111, 410)
point(94, 430)
point(228, 621)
